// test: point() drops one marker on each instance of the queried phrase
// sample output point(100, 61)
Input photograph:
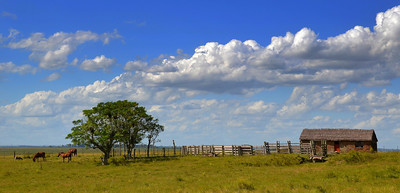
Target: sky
point(212, 72)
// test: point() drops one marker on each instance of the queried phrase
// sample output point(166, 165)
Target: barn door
point(337, 146)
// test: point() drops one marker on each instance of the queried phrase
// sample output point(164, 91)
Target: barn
point(340, 140)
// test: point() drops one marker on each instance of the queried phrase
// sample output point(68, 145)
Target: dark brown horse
point(65, 155)
point(73, 151)
point(38, 155)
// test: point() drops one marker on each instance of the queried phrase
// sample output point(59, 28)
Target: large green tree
point(131, 118)
point(111, 122)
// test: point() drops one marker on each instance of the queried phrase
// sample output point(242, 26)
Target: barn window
point(359, 144)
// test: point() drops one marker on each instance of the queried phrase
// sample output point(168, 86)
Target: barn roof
point(339, 134)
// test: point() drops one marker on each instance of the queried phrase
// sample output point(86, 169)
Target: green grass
point(353, 172)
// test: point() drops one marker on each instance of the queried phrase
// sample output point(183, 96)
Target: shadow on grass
point(120, 160)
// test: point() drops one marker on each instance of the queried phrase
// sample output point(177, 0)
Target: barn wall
point(345, 146)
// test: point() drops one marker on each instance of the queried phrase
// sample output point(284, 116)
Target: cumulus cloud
point(135, 65)
point(53, 52)
point(52, 77)
point(123, 87)
point(9, 67)
point(360, 55)
point(257, 107)
point(99, 62)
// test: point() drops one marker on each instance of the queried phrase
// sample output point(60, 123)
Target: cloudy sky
point(213, 72)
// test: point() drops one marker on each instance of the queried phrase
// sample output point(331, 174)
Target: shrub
point(117, 161)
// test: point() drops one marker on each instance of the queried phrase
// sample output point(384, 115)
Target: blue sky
point(213, 72)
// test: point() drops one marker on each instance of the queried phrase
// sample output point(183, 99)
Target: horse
point(38, 155)
point(73, 151)
point(65, 155)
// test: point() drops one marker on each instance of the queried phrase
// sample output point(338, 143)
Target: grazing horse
point(73, 151)
point(38, 155)
point(65, 155)
point(18, 158)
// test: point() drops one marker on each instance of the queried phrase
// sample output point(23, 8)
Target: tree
point(130, 124)
point(108, 123)
point(153, 129)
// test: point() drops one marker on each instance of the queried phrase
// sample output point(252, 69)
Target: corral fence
point(267, 148)
point(214, 150)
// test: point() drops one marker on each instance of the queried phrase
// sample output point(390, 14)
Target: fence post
point(289, 147)
point(223, 150)
point(278, 147)
point(173, 142)
point(163, 151)
point(120, 149)
point(134, 154)
point(124, 149)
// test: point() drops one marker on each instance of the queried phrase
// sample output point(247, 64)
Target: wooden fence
point(217, 150)
point(268, 148)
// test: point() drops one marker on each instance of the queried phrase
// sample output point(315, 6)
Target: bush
point(117, 161)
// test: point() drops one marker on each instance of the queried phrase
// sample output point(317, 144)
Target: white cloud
point(99, 62)
point(135, 65)
point(53, 52)
point(257, 107)
point(52, 77)
point(356, 56)
point(9, 67)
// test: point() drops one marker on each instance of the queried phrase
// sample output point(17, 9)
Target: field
point(352, 172)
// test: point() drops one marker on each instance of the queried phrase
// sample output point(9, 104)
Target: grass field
point(353, 172)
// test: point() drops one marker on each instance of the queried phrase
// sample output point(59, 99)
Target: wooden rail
point(216, 150)
point(268, 148)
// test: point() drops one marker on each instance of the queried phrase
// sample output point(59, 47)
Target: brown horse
point(73, 151)
point(38, 155)
point(65, 155)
